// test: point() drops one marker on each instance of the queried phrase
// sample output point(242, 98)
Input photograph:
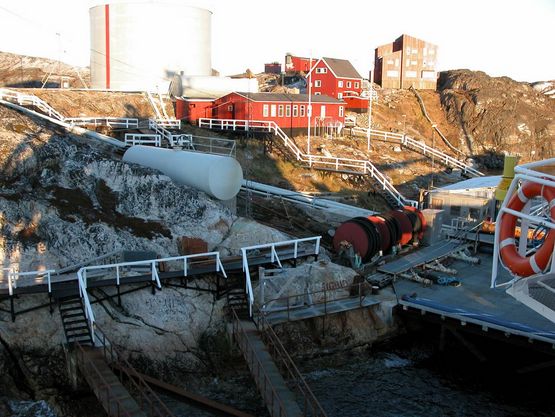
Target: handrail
point(153, 262)
point(80, 265)
point(82, 283)
point(28, 99)
point(133, 139)
point(13, 277)
point(181, 139)
point(156, 408)
point(104, 385)
point(127, 122)
point(261, 378)
point(273, 257)
point(364, 167)
point(408, 141)
point(311, 404)
point(288, 307)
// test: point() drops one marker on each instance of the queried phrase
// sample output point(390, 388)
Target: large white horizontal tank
point(207, 87)
point(138, 46)
point(216, 175)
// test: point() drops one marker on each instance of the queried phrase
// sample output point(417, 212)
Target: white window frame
point(288, 111)
point(265, 110)
point(340, 83)
point(280, 110)
point(295, 111)
point(339, 96)
point(349, 84)
point(273, 110)
point(302, 111)
point(318, 83)
point(321, 70)
point(357, 85)
point(341, 111)
point(317, 93)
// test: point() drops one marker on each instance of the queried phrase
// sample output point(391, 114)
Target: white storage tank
point(137, 46)
point(217, 175)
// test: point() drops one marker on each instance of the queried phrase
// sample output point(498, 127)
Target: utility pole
point(433, 159)
point(370, 94)
point(309, 109)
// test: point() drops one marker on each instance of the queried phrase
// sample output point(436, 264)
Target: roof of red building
point(341, 68)
point(303, 98)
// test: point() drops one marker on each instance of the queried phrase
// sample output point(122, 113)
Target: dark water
point(417, 382)
point(412, 381)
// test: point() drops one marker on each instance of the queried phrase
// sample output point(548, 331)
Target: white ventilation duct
point(217, 175)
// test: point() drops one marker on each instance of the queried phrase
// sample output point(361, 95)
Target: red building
point(335, 78)
point(272, 68)
point(288, 111)
point(297, 63)
point(192, 109)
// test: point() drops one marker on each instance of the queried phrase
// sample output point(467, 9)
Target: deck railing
point(274, 257)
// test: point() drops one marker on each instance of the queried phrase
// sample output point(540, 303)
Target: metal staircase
point(74, 321)
point(329, 163)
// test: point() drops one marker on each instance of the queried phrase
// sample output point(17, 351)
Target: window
point(321, 70)
point(349, 84)
point(295, 111)
point(357, 84)
point(265, 109)
point(429, 75)
point(389, 62)
point(287, 111)
point(414, 62)
point(339, 96)
point(317, 93)
point(280, 110)
point(410, 74)
point(302, 111)
point(392, 73)
point(437, 203)
point(317, 83)
point(323, 112)
point(340, 84)
point(415, 51)
point(273, 110)
point(230, 107)
point(340, 111)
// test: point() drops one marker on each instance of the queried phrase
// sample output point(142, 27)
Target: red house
point(297, 63)
point(288, 111)
point(335, 78)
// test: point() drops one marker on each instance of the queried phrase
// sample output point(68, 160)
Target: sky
point(503, 38)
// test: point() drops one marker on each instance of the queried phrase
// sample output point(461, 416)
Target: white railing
point(294, 244)
point(357, 166)
point(419, 146)
point(154, 105)
point(126, 122)
point(132, 139)
point(38, 278)
point(86, 302)
point(29, 100)
point(169, 123)
point(180, 139)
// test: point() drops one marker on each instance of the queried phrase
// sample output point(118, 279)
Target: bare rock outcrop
point(498, 114)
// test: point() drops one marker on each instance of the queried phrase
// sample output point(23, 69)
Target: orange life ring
point(521, 265)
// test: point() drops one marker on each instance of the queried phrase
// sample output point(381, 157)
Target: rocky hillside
point(29, 71)
point(498, 114)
